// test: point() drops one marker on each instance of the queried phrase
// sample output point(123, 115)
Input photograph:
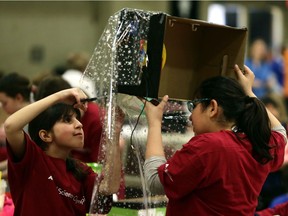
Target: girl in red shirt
point(221, 170)
point(43, 179)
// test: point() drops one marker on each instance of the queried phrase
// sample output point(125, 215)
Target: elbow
point(154, 185)
point(8, 126)
point(152, 179)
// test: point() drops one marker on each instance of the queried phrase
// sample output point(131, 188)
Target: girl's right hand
point(73, 96)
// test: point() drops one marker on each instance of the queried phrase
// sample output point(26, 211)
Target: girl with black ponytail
point(221, 170)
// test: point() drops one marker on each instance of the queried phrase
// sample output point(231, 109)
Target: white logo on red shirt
point(75, 198)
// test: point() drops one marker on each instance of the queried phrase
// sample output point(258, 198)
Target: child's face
point(9, 104)
point(199, 120)
point(68, 133)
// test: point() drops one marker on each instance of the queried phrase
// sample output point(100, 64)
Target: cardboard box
point(172, 55)
point(196, 50)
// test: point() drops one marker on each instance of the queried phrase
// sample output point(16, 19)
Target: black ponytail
point(255, 123)
point(74, 166)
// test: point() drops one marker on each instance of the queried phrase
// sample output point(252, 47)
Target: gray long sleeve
point(151, 174)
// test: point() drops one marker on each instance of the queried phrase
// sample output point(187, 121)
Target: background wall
point(37, 36)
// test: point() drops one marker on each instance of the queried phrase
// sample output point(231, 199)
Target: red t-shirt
point(215, 174)
point(3, 152)
point(92, 128)
point(41, 185)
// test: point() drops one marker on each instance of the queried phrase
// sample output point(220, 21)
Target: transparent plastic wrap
point(119, 60)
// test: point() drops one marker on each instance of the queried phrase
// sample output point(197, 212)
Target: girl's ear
point(213, 108)
point(45, 136)
point(19, 97)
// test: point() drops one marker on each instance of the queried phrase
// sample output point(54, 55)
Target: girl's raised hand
point(155, 113)
point(245, 79)
point(73, 96)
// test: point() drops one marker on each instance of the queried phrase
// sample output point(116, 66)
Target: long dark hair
point(249, 113)
point(46, 121)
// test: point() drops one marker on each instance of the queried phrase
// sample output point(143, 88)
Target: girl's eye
point(67, 119)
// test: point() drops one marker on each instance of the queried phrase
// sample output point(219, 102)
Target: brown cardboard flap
point(196, 50)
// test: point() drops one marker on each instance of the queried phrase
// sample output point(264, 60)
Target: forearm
point(274, 121)
point(22, 117)
point(111, 169)
point(154, 146)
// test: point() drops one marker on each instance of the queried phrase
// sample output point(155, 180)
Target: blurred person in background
point(15, 93)
point(76, 65)
point(285, 66)
point(265, 80)
point(277, 65)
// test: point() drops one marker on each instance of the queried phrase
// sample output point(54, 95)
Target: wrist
point(251, 94)
point(154, 125)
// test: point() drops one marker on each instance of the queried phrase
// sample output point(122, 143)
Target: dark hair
point(46, 120)
point(13, 84)
point(249, 113)
point(50, 85)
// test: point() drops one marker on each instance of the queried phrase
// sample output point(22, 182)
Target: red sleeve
point(278, 151)
point(31, 149)
point(3, 153)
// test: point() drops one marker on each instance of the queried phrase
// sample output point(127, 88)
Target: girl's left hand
point(155, 113)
